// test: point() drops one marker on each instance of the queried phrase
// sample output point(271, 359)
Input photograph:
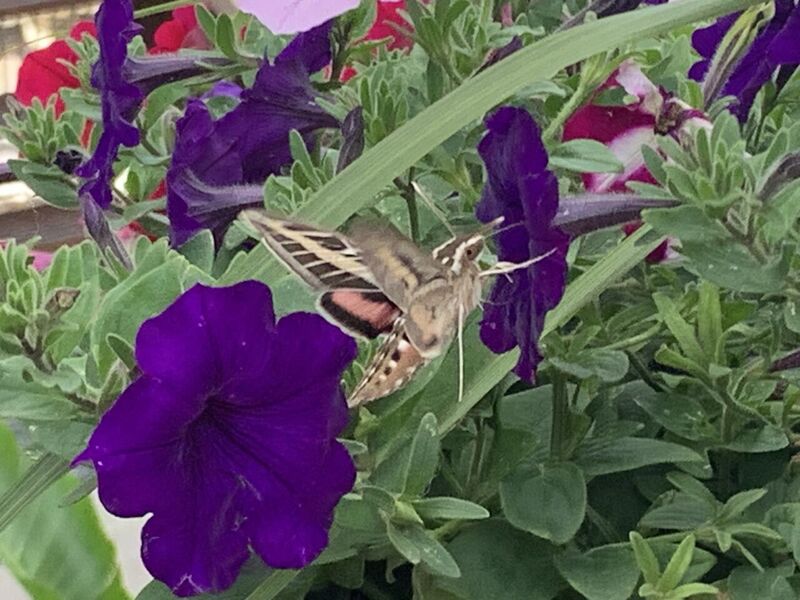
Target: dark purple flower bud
point(777, 46)
point(521, 189)
point(247, 144)
point(352, 138)
point(497, 54)
point(100, 231)
point(579, 215)
point(228, 438)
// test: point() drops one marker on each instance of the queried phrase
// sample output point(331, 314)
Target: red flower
point(43, 73)
point(181, 31)
point(386, 18)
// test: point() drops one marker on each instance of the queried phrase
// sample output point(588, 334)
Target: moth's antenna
point(432, 206)
point(503, 267)
point(507, 227)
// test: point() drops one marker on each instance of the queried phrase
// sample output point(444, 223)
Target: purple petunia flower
point(521, 189)
point(120, 99)
point(227, 437)
point(213, 159)
point(123, 83)
point(775, 48)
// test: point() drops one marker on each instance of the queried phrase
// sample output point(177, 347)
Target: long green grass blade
point(357, 185)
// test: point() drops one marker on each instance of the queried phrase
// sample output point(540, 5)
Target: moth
point(374, 281)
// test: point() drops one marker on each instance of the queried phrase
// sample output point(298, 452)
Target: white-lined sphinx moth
point(375, 281)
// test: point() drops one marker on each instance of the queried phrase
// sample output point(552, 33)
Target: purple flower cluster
point(227, 437)
point(521, 189)
point(214, 159)
point(776, 48)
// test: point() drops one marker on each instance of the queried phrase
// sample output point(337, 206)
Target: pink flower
point(625, 129)
point(293, 16)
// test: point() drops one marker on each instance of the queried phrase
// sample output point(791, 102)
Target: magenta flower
point(293, 16)
point(227, 437)
point(214, 160)
point(776, 49)
point(624, 129)
point(521, 189)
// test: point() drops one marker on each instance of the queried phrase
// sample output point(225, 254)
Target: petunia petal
point(521, 189)
point(291, 16)
point(228, 437)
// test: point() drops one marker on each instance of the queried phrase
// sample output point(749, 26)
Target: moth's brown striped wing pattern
point(392, 367)
point(328, 261)
point(323, 259)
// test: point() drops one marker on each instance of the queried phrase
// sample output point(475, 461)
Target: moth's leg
point(460, 351)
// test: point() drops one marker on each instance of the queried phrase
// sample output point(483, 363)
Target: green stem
point(643, 372)
point(161, 8)
point(273, 584)
point(569, 107)
point(372, 591)
point(35, 481)
point(560, 424)
point(410, 196)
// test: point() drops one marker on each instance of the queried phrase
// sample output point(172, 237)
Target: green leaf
point(645, 558)
point(450, 508)
point(605, 573)
point(585, 156)
point(424, 457)
point(357, 185)
point(160, 99)
point(498, 561)
point(682, 415)
point(225, 37)
point(732, 266)
point(52, 185)
point(418, 545)
point(599, 456)
point(688, 222)
point(20, 399)
point(683, 332)
point(738, 503)
point(550, 504)
point(607, 365)
point(53, 551)
point(747, 583)
point(199, 250)
point(689, 590)
point(709, 321)
point(142, 295)
point(791, 316)
point(122, 349)
point(684, 512)
point(677, 565)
